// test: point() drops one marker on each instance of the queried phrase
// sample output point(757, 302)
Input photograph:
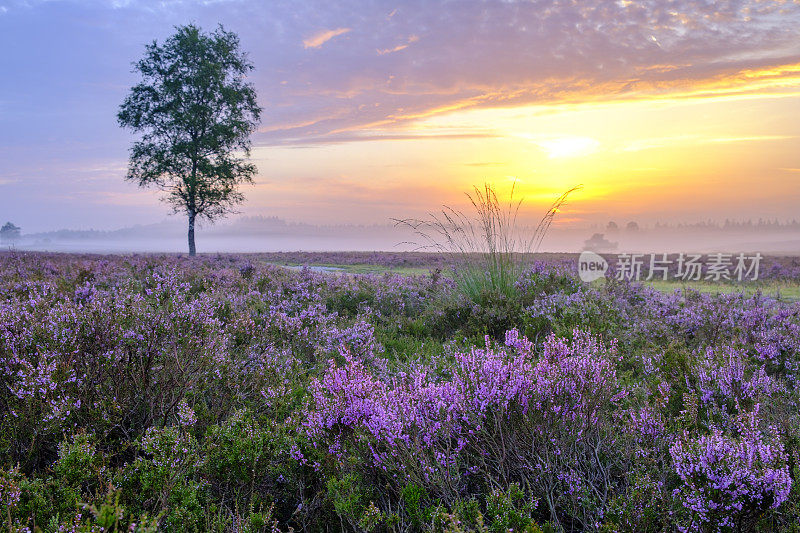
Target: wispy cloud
point(752, 138)
point(322, 37)
point(350, 72)
point(693, 139)
point(397, 65)
point(372, 136)
point(657, 142)
point(485, 164)
point(515, 53)
point(383, 51)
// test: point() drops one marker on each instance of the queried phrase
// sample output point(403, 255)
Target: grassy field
point(361, 268)
point(783, 290)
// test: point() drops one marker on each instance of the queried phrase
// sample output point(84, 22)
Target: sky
point(664, 110)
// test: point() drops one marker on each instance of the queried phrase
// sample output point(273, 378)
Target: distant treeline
point(735, 225)
point(243, 226)
point(259, 225)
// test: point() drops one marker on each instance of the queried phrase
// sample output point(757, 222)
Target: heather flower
point(725, 376)
point(729, 478)
point(623, 395)
point(431, 429)
point(9, 488)
point(185, 414)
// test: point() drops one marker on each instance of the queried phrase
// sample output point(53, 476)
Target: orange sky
point(722, 148)
point(665, 111)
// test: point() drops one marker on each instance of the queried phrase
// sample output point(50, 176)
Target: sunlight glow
point(568, 146)
point(711, 157)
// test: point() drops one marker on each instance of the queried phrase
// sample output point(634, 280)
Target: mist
point(273, 234)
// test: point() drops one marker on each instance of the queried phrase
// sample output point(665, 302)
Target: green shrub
point(163, 480)
point(510, 510)
point(245, 459)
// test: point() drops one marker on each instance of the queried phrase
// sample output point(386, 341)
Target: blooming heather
point(224, 392)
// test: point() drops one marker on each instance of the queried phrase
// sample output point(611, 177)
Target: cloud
point(395, 69)
point(485, 164)
point(692, 139)
point(367, 135)
point(429, 59)
point(384, 51)
point(322, 37)
point(397, 48)
point(751, 138)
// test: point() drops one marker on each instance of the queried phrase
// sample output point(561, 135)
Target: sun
point(568, 146)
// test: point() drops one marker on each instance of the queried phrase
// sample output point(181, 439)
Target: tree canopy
point(10, 232)
point(196, 112)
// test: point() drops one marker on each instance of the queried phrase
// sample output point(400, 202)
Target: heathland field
point(388, 393)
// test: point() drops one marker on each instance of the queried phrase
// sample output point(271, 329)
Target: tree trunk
point(192, 250)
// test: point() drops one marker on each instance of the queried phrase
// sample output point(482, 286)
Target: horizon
point(231, 220)
point(255, 234)
point(665, 112)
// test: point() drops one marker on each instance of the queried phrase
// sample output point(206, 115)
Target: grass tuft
point(488, 248)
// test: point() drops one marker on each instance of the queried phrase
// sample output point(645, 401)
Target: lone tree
point(196, 113)
point(9, 232)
